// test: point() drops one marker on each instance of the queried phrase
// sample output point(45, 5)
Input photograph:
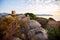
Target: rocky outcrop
point(34, 30)
point(21, 27)
point(53, 23)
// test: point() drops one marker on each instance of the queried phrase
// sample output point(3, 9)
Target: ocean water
point(57, 18)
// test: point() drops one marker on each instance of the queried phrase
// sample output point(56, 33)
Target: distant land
point(4, 14)
point(43, 15)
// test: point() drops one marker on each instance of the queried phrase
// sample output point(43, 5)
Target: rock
point(23, 36)
point(38, 34)
point(53, 23)
point(16, 38)
point(43, 22)
point(34, 24)
point(35, 31)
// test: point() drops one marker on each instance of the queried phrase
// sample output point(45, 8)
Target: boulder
point(34, 24)
point(38, 34)
point(53, 24)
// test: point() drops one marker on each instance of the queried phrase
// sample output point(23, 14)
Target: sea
point(57, 18)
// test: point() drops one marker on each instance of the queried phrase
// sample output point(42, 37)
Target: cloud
point(42, 8)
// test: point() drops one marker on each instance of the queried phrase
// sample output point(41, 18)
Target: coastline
point(57, 18)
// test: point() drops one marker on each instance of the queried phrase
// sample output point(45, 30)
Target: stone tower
point(13, 12)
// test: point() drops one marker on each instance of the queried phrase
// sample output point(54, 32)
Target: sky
point(33, 6)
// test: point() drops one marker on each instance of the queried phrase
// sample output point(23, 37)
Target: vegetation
point(53, 33)
point(12, 27)
point(8, 27)
point(32, 16)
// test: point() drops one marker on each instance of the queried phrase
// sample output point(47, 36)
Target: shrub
point(54, 33)
point(32, 16)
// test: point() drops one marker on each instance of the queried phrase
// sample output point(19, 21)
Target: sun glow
point(37, 7)
point(43, 8)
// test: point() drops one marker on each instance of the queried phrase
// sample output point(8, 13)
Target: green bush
point(54, 33)
point(32, 16)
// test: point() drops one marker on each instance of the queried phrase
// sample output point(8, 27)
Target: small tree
point(32, 16)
